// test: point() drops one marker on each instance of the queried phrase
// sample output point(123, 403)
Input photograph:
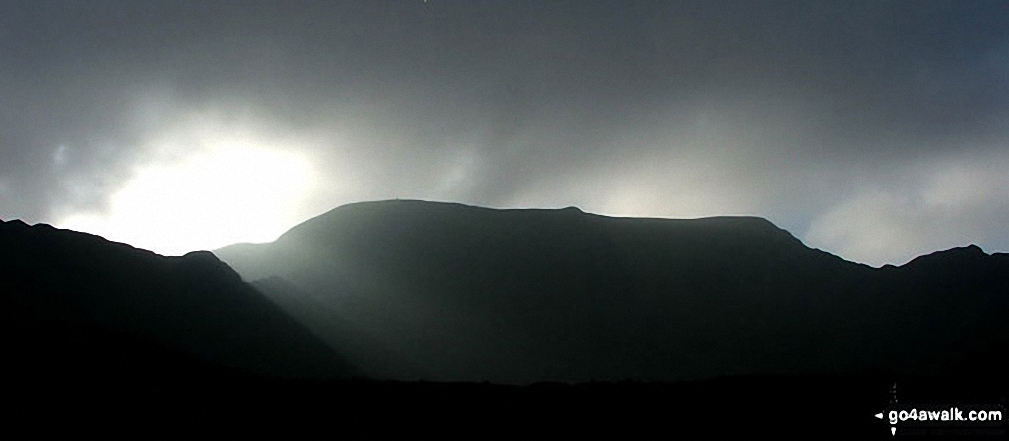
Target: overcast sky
point(874, 130)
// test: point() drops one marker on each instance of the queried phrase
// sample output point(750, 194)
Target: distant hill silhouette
point(437, 291)
point(86, 314)
point(100, 337)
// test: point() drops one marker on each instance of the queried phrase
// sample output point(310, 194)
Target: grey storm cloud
point(876, 130)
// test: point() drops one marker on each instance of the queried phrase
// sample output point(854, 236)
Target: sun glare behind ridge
point(207, 200)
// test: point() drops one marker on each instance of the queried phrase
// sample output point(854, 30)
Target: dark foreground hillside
point(230, 404)
point(79, 306)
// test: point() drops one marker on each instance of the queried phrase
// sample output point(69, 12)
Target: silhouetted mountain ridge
point(526, 295)
point(788, 338)
point(120, 301)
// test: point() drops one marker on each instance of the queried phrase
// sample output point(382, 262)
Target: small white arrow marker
point(879, 415)
point(893, 431)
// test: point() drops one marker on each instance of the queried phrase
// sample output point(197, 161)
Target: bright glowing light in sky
point(209, 199)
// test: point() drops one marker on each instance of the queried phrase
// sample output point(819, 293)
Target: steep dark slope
point(467, 293)
point(80, 311)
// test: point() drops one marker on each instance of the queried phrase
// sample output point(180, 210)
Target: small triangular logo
point(893, 431)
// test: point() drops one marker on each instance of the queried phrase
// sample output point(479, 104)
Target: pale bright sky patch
point(954, 203)
point(212, 198)
point(874, 228)
point(60, 156)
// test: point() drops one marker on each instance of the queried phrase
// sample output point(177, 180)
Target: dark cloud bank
point(876, 130)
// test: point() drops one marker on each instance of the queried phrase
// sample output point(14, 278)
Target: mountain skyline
point(399, 314)
point(448, 292)
point(283, 272)
point(966, 244)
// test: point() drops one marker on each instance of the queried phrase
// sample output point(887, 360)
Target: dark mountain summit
point(412, 289)
point(85, 312)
